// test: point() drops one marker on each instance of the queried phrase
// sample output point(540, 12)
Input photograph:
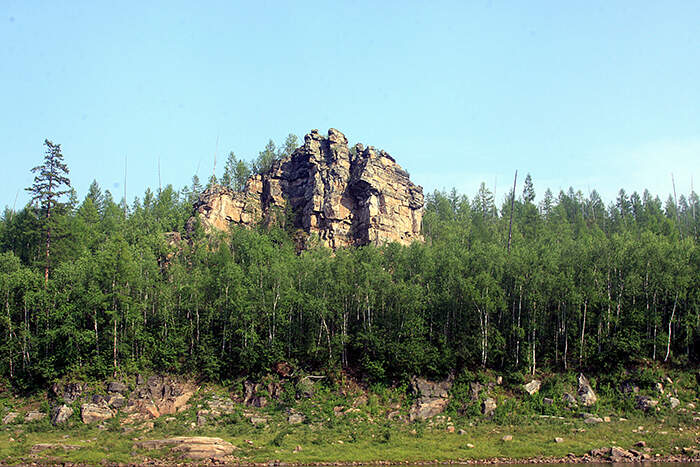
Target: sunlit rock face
point(345, 196)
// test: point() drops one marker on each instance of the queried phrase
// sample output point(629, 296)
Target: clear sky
point(594, 94)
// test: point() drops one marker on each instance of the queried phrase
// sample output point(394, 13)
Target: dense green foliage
point(583, 286)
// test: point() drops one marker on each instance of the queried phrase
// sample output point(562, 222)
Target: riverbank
point(540, 441)
point(295, 419)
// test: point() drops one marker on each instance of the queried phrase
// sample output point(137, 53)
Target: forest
point(96, 287)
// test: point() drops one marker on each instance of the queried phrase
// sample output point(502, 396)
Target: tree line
point(94, 288)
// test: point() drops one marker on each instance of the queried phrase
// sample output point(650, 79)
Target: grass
point(358, 441)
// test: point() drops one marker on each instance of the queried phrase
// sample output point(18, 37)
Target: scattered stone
point(91, 413)
point(585, 392)
point(507, 438)
point(640, 444)
point(659, 388)
point(34, 416)
point(558, 440)
point(499, 380)
point(691, 406)
point(532, 387)
point(61, 414)
point(451, 429)
point(44, 446)
point(298, 448)
point(591, 420)
point(197, 447)
point(470, 446)
point(606, 419)
point(488, 407)
point(548, 401)
point(461, 432)
point(258, 421)
point(295, 419)
point(674, 402)
point(10, 417)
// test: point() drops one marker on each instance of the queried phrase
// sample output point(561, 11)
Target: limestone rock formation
point(345, 196)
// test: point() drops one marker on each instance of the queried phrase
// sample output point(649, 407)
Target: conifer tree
point(50, 183)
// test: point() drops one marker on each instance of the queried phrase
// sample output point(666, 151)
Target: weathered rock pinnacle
point(346, 197)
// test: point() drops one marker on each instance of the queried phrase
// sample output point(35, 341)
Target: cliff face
point(346, 197)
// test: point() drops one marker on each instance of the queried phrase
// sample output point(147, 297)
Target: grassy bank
point(356, 441)
point(343, 421)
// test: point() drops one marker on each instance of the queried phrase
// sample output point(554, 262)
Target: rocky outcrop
point(585, 392)
point(159, 395)
point(91, 413)
point(345, 196)
point(432, 398)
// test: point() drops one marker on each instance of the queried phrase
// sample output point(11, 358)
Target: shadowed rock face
point(346, 197)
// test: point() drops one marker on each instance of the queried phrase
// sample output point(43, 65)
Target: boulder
point(10, 417)
point(344, 196)
point(61, 414)
point(488, 407)
point(34, 416)
point(69, 392)
point(618, 454)
point(91, 413)
point(585, 392)
point(197, 447)
point(117, 387)
point(283, 369)
point(474, 389)
point(629, 388)
point(116, 400)
point(646, 403)
point(532, 387)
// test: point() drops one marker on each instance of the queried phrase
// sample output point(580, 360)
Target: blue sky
point(594, 94)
